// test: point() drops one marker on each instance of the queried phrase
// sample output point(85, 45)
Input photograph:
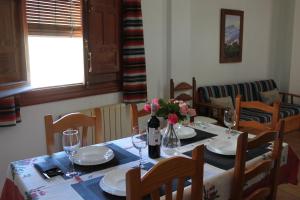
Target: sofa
point(250, 91)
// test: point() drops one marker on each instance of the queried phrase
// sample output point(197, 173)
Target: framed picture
point(231, 36)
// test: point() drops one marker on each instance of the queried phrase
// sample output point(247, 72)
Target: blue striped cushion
point(286, 110)
point(249, 90)
point(262, 86)
point(217, 91)
point(255, 115)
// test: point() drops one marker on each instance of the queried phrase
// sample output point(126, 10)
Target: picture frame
point(231, 36)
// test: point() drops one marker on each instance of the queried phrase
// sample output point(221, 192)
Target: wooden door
point(13, 65)
point(102, 40)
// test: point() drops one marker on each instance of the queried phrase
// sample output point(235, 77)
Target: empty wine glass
point(71, 145)
point(139, 141)
point(229, 119)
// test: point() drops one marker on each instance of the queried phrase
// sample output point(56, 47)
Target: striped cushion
point(255, 115)
point(245, 89)
point(262, 86)
point(286, 110)
point(249, 90)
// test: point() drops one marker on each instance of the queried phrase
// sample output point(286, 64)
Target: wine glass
point(139, 141)
point(71, 145)
point(229, 119)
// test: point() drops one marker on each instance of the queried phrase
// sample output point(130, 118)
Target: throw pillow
point(225, 102)
point(269, 97)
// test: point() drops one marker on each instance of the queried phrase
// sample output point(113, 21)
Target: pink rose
point(172, 118)
point(155, 101)
point(147, 107)
point(184, 108)
point(192, 112)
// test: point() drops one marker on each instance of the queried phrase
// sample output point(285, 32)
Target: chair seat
point(286, 110)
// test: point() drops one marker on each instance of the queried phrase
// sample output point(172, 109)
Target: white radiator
point(115, 123)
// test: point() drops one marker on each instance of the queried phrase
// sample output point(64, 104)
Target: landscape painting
point(231, 36)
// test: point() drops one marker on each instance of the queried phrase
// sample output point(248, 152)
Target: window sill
point(46, 95)
point(13, 88)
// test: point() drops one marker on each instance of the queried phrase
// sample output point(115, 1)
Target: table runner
point(121, 157)
point(227, 162)
point(200, 135)
point(90, 190)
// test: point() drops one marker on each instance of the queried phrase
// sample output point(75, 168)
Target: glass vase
point(170, 140)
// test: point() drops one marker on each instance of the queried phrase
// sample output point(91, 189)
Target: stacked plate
point(184, 132)
point(223, 146)
point(114, 182)
point(93, 155)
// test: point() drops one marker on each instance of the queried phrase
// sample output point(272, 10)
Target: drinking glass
point(229, 119)
point(139, 141)
point(71, 145)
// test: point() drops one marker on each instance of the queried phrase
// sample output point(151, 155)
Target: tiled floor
point(288, 191)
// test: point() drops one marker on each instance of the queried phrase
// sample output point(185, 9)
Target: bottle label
point(154, 137)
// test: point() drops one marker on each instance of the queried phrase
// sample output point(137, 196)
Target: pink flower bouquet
point(173, 110)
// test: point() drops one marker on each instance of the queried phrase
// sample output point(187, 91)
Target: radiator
point(115, 123)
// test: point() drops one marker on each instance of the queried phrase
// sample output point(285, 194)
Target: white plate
point(114, 182)
point(185, 132)
point(93, 155)
point(223, 146)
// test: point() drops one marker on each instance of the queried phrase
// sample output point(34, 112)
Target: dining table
point(24, 181)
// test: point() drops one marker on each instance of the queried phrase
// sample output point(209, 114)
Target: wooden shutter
point(102, 40)
point(13, 42)
point(54, 17)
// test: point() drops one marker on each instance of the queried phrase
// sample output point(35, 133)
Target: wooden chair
point(242, 174)
point(183, 87)
point(163, 173)
point(72, 120)
point(255, 126)
point(136, 114)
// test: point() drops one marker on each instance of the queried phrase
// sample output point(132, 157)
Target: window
point(55, 42)
point(73, 48)
point(52, 58)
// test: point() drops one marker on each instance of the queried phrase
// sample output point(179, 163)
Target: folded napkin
point(48, 169)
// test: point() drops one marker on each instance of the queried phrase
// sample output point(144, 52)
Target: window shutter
point(54, 17)
point(102, 41)
point(13, 42)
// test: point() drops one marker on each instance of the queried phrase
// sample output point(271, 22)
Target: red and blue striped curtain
point(9, 112)
point(134, 65)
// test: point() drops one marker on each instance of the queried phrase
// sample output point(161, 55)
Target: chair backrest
point(163, 173)
point(74, 121)
point(136, 114)
point(272, 164)
point(274, 110)
point(182, 88)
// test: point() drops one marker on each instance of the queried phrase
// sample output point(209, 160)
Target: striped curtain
point(9, 112)
point(134, 66)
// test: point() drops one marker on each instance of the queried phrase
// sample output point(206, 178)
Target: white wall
point(281, 45)
point(181, 41)
point(205, 37)
point(155, 20)
point(27, 139)
point(295, 61)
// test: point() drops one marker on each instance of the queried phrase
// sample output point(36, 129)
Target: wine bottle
point(154, 138)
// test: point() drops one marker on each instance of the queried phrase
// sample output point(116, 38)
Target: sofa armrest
point(213, 111)
point(288, 96)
